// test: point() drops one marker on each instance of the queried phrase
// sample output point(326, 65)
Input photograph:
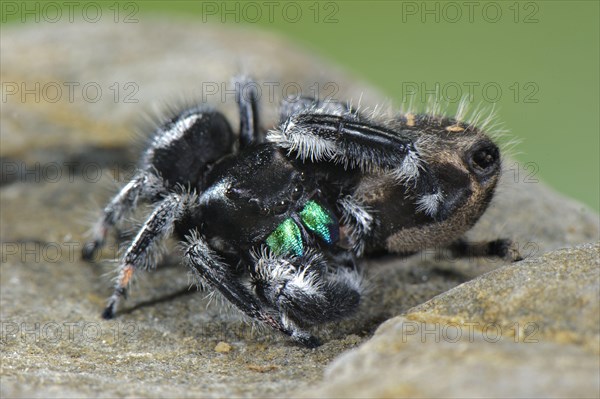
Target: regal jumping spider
point(275, 220)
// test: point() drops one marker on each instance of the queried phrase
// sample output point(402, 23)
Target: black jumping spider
point(275, 220)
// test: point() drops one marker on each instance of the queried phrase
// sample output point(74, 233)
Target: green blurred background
point(537, 62)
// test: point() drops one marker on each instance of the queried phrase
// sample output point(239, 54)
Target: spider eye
point(296, 193)
point(280, 207)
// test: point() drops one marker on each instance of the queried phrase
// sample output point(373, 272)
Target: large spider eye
point(296, 193)
point(280, 207)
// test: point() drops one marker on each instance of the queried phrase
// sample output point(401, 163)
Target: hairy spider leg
point(208, 267)
point(294, 106)
point(345, 140)
point(502, 248)
point(144, 185)
point(143, 250)
point(177, 155)
point(246, 96)
point(358, 221)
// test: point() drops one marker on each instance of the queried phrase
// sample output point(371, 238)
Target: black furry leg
point(139, 254)
point(347, 140)
point(501, 248)
point(246, 96)
point(206, 265)
point(178, 153)
point(290, 107)
point(357, 222)
point(143, 185)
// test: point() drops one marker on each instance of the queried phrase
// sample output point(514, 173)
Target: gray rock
point(531, 329)
point(554, 297)
point(164, 343)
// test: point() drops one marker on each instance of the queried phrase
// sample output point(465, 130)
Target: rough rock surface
point(526, 330)
point(60, 155)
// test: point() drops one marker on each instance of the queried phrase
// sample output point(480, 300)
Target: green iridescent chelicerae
point(287, 237)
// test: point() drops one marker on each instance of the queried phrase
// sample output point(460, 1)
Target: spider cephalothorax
point(276, 220)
